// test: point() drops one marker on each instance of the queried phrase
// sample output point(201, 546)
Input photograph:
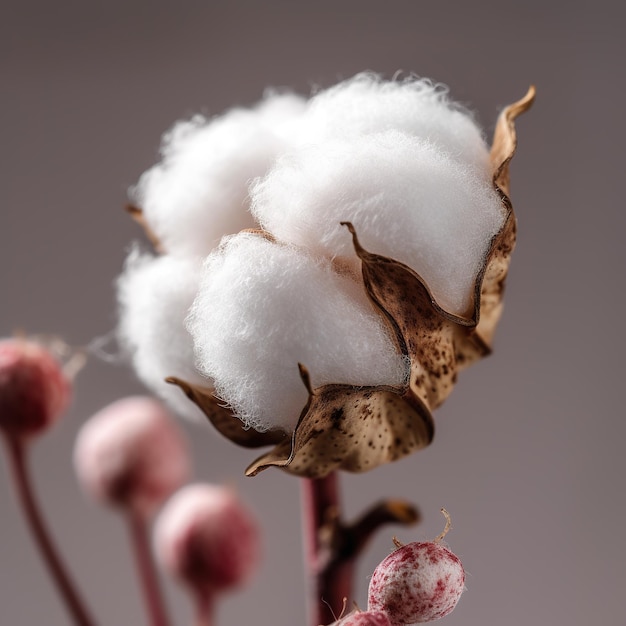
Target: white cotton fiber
point(262, 308)
point(407, 198)
point(199, 190)
point(367, 104)
point(154, 295)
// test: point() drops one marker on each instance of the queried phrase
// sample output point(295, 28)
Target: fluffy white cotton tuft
point(368, 104)
point(407, 198)
point(262, 308)
point(199, 190)
point(155, 294)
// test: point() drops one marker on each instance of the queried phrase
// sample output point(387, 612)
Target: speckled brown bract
point(359, 428)
point(352, 428)
point(497, 263)
point(223, 420)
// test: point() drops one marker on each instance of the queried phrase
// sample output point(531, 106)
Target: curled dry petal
point(491, 282)
point(359, 428)
point(352, 428)
point(223, 420)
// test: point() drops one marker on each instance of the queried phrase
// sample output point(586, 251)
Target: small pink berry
point(131, 454)
point(34, 390)
point(207, 538)
point(364, 618)
point(419, 582)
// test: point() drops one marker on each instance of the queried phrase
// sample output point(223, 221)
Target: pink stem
point(145, 567)
point(205, 609)
point(330, 575)
point(41, 535)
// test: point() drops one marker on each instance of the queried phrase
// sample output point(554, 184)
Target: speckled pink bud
point(131, 454)
point(417, 583)
point(207, 538)
point(363, 618)
point(34, 390)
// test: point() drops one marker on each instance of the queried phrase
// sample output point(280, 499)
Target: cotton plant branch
point(333, 546)
point(42, 537)
point(138, 529)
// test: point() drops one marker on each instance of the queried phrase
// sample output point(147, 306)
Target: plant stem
point(333, 547)
point(329, 574)
point(153, 598)
point(205, 605)
point(43, 540)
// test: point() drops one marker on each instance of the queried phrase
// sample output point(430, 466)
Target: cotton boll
point(407, 199)
point(282, 113)
point(199, 191)
point(155, 294)
point(367, 104)
point(262, 308)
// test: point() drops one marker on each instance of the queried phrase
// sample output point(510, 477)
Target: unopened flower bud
point(207, 538)
point(34, 389)
point(131, 454)
point(417, 583)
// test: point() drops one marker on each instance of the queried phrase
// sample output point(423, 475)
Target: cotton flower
point(387, 234)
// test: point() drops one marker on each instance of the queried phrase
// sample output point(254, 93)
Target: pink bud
point(131, 454)
point(207, 538)
point(417, 583)
point(34, 390)
point(363, 618)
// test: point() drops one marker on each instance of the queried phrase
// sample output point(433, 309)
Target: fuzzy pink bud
point(34, 390)
point(131, 454)
point(417, 583)
point(364, 618)
point(207, 538)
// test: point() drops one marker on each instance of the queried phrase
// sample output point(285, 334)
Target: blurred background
point(528, 456)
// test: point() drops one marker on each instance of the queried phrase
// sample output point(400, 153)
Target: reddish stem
point(43, 540)
point(330, 574)
point(205, 607)
point(153, 598)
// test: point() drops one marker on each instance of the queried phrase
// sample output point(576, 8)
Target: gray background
point(528, 453)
